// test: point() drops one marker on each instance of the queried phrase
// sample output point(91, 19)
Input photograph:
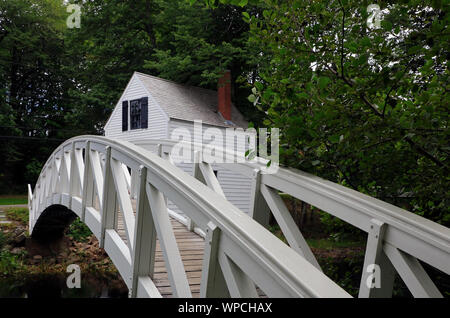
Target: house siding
point(157, 120)
point(237, 187)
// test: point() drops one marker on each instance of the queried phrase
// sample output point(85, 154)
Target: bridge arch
point(52, 223)
point(90, 176)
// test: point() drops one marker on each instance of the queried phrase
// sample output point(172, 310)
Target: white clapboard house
point(152, 108)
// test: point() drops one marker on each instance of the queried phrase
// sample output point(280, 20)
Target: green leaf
point(243, 3)
point(323, 82)
point(266, 14)
point(334, 139)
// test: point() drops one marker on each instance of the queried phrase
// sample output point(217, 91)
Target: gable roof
point(189, 103)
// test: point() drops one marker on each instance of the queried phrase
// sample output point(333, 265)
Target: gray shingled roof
point(189, 102)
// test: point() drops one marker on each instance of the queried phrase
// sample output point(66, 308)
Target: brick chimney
point(224, 95)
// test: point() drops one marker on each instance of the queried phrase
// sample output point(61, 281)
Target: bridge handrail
point(402, 235)
point(244, 250)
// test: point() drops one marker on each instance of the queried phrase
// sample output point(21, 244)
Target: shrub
point(340, 230)
point(9, 262)
point(78, 231)
point(18, 214)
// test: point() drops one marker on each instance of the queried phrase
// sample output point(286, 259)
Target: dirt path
point(4, 207)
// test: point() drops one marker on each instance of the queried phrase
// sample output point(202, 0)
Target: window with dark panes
point(135, 114)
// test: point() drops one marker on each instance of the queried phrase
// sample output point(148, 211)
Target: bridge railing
point(92, 176)
point(397, 239)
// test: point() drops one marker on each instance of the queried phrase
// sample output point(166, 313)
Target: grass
point(13, 199)
point(3, 239)
point(78, 231)
point(328, 244)
point(324, 243)
point(9, 263)
point(18, 214)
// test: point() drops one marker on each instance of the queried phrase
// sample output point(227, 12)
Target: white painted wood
point(134, 184)
point(375, 255)
point(30, 204)
point(127, 176)
point(119, 254)
point(259, 210)
point(97, 174)
point(412, 273)
point(94, 221)
point(239, 284)
point(270, 264)
point(172, 258)
point(126, 208)
point(411, 233)
point(213, 283)
point(287, 225)
point(145, 237)
point(88, 182)
point(109, 206)
point(76, 205)
point(157, 119)
point(210, 178)
point(55, 174)
point(147, 289)
point(65, 172)
point(76, 170)
point(236, 187)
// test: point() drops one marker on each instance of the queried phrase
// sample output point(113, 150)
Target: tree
point(113, 41)
point(366, 107)
point(199, 44)
point(32, 85)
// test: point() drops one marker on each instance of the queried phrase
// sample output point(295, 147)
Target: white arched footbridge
point(120, 190)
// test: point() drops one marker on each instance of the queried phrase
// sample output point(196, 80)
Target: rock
point(20, 239)
point(17, 250)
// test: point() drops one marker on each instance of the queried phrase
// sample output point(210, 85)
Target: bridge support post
point(412, 273)
point(376, 261)
point(286, 222)
point(143, 258)
point(238, 282)
point(171, 253)
point(88, 181)
point(259, 210)
point(76, 167)
point(109, 205)
point(213, 283)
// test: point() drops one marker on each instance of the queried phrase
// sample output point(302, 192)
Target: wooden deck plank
point(191, 247)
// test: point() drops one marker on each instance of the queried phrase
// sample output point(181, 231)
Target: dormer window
point(138, 114)
point(135, 114)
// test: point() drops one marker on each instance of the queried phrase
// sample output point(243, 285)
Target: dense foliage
point(59, 82)
point(366, 107)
